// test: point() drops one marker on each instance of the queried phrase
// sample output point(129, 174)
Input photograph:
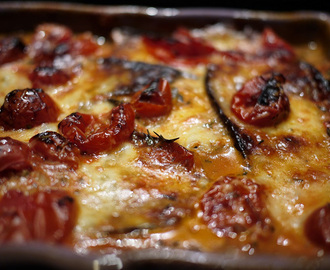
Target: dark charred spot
point(148, 94)
point(290, 143)
point(305, 80)
point(50, 137)
point(64, 201)
point(141, 74)
point(271, 91)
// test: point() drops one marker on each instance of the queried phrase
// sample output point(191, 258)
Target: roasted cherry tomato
point(163, 153)
point(317, 227)
point(48, 216)
point(92, 135)
point(52, 146)
point(11, 49)
point(181, 46)
point(44, 76)
point(171, 153)
point(233, 205)
point(14, 155)
point(262, 101)
point(27, 108)
point(83, 44)
point(154, 100)
point(49, 41)
point(275, 47)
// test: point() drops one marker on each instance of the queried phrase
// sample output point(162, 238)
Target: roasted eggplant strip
point(141, 73)
point(242, 141)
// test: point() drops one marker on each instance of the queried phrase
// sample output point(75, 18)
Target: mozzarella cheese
point(125, 203)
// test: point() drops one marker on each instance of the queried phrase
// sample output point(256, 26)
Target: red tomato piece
point(275, 47)
point(166, 154)
point(154, 100)
point(48, 216)
point(169, 153)
point(92, 135)
point(27, 108)
point(44, 76)
point(14, 155)
point(181, 46)
point(49, 41)
point(11, 49)
point(163, 153)
point(261, 101)
point(52, 146)
point(317, 227)
point(234, 205)
point(84, 44)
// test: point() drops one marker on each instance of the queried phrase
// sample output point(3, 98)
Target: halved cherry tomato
point(182, 46)
point(14, 155)
point(262, 101)
point(45, 215)
point(317, 227)
point(171, 153)
point(92, 135)
point(49, 41)
point(275, 47)
point(52, 146)
point(154, 100)
point(55, 40)
point(27, 108)
point(163, 153)
point(44, 76)
point(83, 44)
point(234, 205)
point(11, 49)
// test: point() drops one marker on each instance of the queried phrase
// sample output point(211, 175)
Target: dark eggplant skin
point(242, 142)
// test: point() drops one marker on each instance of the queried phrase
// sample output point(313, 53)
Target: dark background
point(274, 5)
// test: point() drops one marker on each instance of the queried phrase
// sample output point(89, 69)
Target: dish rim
point(43, 253)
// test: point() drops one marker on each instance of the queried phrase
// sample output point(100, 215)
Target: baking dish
point(297, 28)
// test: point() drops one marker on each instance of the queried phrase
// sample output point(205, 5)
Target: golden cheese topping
point(213, 139)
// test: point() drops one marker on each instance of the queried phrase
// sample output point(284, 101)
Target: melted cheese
point(117, 193)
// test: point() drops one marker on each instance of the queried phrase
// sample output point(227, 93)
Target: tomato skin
point(275, 47)
point(317, 227)
point(44, 76)
point(11, 49)
point(49, 41)
point(166, 154)
point(234, 205)
point(14, 155)
point(154, 100)
point(158, 152)
point(54, 40)
point(52, 146)
point(92, 135)
point(182, 46)
point(27, 108)
point(48, 216)
point(84, 44)
point(261, 101)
